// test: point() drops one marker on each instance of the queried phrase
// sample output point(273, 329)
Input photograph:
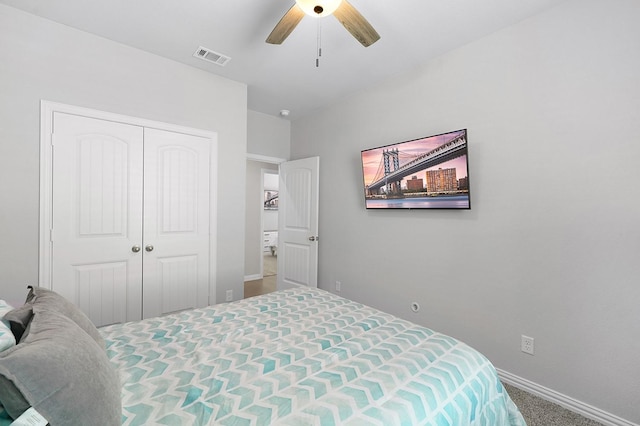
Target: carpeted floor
point(539, 412)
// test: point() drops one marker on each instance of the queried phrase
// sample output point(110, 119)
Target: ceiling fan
point(348, 16)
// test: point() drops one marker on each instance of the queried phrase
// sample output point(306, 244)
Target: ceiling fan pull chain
point(319, 51)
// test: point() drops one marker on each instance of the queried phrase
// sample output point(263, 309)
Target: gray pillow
point(20, 317)
point(62, 372)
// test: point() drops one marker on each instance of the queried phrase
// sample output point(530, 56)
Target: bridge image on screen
point(430, 172)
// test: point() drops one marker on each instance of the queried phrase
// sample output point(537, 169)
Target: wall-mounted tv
point(426, 173)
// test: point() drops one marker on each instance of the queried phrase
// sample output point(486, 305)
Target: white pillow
point(7, 339)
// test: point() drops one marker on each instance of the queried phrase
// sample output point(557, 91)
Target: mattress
point(300, 357)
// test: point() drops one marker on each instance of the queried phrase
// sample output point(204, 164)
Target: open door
point(298, 223)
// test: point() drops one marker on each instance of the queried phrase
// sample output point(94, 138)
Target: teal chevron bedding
point(4, 417)
point(300, 357)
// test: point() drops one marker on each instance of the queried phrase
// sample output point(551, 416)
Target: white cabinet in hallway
point(270, 242)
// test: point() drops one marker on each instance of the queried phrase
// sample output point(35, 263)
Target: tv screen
point(426, 173)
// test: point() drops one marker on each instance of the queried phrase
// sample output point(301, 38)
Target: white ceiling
point(285, 76)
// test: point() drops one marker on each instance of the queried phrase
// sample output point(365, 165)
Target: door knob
point(135, 249)
point(149, 247)
point(312, 238)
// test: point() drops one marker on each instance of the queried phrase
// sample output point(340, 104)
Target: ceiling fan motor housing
point(318, 8)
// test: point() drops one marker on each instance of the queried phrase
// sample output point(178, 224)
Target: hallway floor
point(262, 286)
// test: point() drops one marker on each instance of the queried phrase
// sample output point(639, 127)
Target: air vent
point(211, 56)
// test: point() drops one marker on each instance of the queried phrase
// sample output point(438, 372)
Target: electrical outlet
point(526, 345)
point(229, 297)
point(338, 286)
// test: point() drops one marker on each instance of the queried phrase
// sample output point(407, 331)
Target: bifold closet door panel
point(176, 221)
point(97, 216)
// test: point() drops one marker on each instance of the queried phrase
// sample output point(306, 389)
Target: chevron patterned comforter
point(300, 357)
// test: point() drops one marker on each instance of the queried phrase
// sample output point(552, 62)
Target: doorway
point(270, 203)
point(261, 232)
point(297, 229)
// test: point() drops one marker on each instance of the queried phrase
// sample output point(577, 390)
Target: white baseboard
point(565, 401)
point(252, 277)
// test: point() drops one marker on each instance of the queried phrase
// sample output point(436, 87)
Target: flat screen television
point(426, 173)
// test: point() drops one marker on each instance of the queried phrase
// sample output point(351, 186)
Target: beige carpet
point(539, 412)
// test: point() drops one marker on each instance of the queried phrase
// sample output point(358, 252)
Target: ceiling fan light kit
point(348, 16)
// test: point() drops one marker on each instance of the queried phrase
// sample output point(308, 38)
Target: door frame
point(47, 110)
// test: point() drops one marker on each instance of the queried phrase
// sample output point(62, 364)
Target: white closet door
point(176, 222)
point(131, 223)
point(97, 216)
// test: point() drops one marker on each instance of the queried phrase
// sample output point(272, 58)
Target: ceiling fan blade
point(286, 25)
point(356, 24)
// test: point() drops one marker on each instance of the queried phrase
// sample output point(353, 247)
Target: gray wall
point(45, 60)
point(267, 135)
point(551, 246)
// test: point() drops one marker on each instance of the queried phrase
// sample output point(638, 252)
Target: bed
point(294, 357)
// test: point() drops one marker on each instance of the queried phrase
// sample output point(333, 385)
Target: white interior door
point(97, 216)
point(298, 223)
point(176, 222)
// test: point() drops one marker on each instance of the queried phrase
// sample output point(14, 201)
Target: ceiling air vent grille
point(211, 56)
